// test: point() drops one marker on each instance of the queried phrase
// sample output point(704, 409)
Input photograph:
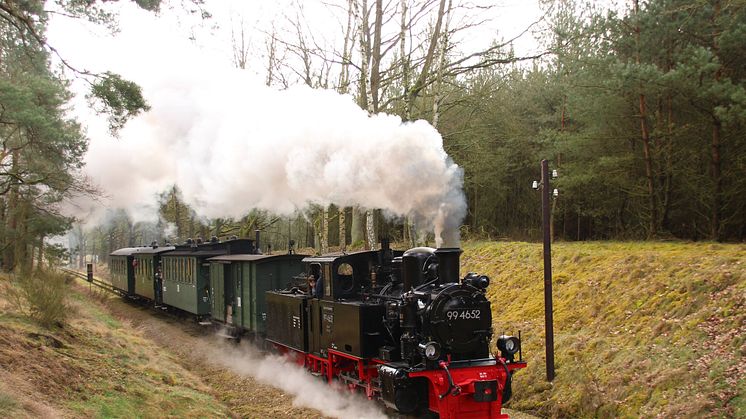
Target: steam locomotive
point(400, 327)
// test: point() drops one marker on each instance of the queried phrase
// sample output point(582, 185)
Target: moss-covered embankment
point(641, 329)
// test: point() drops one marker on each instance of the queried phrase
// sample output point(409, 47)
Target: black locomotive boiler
point(404, 328)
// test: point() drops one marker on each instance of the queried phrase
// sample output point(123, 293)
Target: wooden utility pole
point(548, 315)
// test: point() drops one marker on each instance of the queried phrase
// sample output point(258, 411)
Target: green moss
point(110, 321)
point(630, 320)
point(8, 404)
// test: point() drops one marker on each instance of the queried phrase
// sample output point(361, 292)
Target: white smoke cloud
point(170, 231)
point(306, 390)
point(232, 144)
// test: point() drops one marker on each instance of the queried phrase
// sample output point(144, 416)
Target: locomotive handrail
point(385, 297)
point(453, 389)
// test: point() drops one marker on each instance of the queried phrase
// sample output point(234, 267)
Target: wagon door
point(230, 296)
point(238, 303)
point(217, 291)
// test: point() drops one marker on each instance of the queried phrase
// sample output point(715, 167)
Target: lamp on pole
point(545, 210)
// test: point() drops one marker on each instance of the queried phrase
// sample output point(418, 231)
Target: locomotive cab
point(342, 275)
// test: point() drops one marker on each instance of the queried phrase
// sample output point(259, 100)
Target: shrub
point(41, 295)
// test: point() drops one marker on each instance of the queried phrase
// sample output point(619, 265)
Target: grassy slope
point(641, 329)
point(95, 366)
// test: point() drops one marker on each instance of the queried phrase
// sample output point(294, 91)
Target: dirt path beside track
point(191, 344)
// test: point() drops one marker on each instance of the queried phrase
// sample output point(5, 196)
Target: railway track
point(171, 311)
point(97, 282)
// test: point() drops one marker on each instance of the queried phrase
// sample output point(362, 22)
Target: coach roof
point(250, 258)
point(331, 257)
point(125, 251)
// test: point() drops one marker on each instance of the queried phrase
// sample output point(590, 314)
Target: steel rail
point(97, 282)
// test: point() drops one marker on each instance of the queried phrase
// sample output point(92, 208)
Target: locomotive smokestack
point(410, 271)
point(448, 264)
point(257, 247)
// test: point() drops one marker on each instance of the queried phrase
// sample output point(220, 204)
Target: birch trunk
point(370, 230)
point(271, 53)
point(438, 84)
point(404, 57)
point(344, 76)
point(324, 233)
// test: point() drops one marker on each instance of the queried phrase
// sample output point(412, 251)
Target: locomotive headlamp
point(508, 346)
point(431, 350)
point(479, 281)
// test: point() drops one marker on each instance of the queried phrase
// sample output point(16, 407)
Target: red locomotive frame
point(447, 401)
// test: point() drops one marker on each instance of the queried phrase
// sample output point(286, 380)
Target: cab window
point(344, 277)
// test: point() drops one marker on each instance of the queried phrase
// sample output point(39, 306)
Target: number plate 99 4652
point(464, 314)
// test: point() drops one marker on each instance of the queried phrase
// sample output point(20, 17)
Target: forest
point(641, 108)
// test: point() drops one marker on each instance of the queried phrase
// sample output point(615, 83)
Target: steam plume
point(307, 391)
point(231, 143)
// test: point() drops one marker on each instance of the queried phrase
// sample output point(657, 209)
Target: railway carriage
point(148, 272)
point(121, 270)
point(239, 283)
point(186, 273)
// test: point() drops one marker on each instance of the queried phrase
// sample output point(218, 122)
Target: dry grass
point(641, 329)
point(92, 366)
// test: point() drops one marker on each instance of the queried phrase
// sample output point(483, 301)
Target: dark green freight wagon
point(121, 270)
point(148, 272)
point(186, 273)
point(239, 284)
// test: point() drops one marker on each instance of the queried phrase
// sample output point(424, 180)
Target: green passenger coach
point(148, 270)
point(239, 283)
point(186, 273)
point(121, 270)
